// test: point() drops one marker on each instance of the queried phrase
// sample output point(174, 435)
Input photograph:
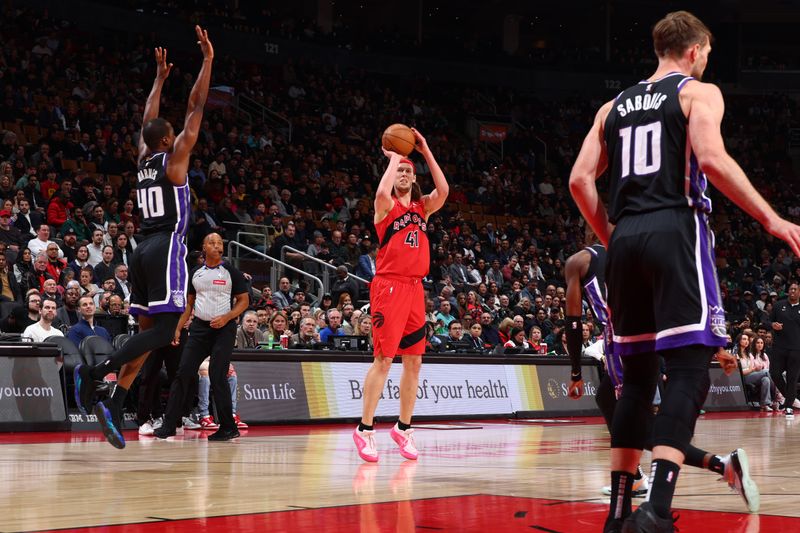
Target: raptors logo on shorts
point(377, 319)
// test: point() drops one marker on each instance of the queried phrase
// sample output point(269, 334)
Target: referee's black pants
point(204, 341)
point(781, 360)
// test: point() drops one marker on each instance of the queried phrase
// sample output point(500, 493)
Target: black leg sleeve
point(684, 395)
point(630, 426)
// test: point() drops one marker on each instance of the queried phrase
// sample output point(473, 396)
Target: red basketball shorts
point(397, 305)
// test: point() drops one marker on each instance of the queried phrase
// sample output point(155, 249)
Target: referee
point(213, 289)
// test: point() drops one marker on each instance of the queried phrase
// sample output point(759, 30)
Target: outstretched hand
point(162, 67)
point(204, 42)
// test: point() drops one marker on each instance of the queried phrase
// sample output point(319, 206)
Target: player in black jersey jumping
point(158, 266)
point(658, 140)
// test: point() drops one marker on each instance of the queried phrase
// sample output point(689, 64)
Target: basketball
point(399, 138)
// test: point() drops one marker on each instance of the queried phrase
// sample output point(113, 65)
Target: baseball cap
point(5, 213)
point(68, 231)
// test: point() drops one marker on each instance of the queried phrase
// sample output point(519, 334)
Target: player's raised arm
point(154, 99)
point(435, 200)
point(184, 143)
point(705, 119)
point(383, 196)
point(590, 164)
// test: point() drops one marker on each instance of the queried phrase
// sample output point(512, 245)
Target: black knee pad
point(630, 427)
point(685, 392)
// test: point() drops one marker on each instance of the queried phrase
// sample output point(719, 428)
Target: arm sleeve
point(574, 333)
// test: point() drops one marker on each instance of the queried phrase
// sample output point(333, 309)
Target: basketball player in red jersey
point(397, 298)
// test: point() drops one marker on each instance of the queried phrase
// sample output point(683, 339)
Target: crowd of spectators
point(68, 219)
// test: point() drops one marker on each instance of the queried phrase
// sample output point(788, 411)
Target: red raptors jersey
point(404, 248)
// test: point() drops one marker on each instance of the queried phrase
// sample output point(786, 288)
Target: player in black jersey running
point(658, 140)
point(158, 266)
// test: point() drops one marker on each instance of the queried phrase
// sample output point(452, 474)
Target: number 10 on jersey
point(646, 149)
point(151, 202)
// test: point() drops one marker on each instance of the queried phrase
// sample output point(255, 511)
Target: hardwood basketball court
point(471, 476)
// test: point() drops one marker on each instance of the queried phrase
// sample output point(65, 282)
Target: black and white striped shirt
point(214, 289)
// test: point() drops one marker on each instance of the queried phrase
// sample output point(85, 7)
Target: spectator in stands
point(248, 335)
point(517, 339)
point(58, 209)
point(278, 325)
point(444, 313)
point(68, 314)
point(475, 339)
point(98, 220)
point(489, 333)
point(122, 287)
point(344, 284)
point(337, 248)
point(363, 327)
point(130, 229)
point(23, 269)
point(10, 235)
point(39, 243)
point(43, 329)
point(535, 339)
point(455, 331)
point(755, 370)
point(55, 265)
point(333, 328)
point(289, 238)
point(96, 247)
point(24, 315)
point(85, 326)
point(86, 278)
point(106, 291)
point(307, 336)
point(76, 223)
point(458, 272)
point(37, 278)
point(105, 268)
point(122, 255)
point(263, 319)
point(80, 261)
point(10, 290)
point(50, 289)
point(28, 221)
point(69, 245)
point(283, 296)
point(366, 264)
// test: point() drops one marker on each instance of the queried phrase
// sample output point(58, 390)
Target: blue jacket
point(82, 330)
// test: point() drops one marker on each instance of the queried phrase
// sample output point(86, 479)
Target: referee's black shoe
point(166, 430)
point(645, 520)
point(224, 434)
